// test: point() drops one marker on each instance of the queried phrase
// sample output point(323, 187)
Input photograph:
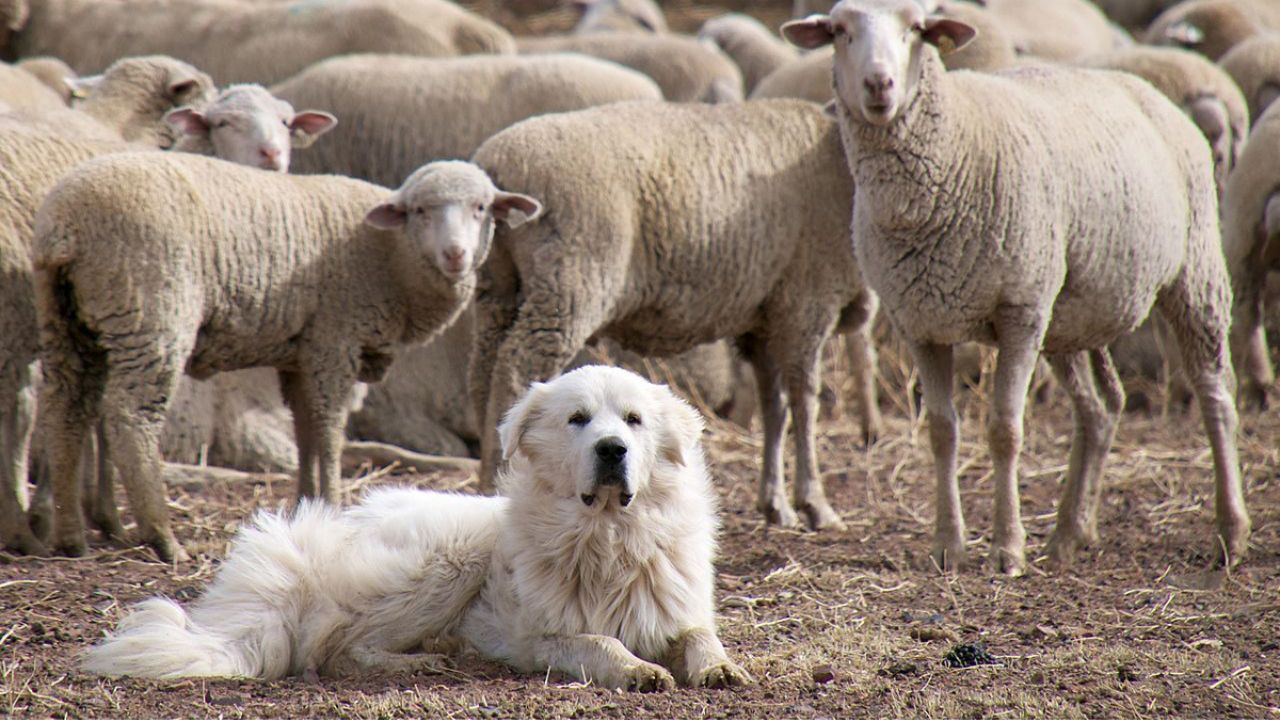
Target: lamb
point(52, 72)
point(685, 69)
point(1251, 239)
point(250, 42)
point(1205, 92)
point(643, 16)
point(131, 97)
point(698, 223)
point(755, 49)
point(34, 159)
point(1212, 27)
point(248, 125)
point(1255, 66)
point(966, 233)
point(22, 91)
point(149, 264)
point(400, 112)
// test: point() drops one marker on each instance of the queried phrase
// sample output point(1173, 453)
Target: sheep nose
point(878, 84)
point(454, 254)
point(270, 154)
point(611, 451)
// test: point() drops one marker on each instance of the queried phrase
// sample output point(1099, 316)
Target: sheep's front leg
point(1018, 338)
point(698, 659)
point(771, 499)
point(328, 378)
point(937, 381)
point(291, 389)
point(604, 661)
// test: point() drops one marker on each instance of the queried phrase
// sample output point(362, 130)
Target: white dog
point(597, 563)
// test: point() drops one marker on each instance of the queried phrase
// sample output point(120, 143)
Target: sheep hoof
point(71, 547)
point(168, 549)
point(1065, 542)
point(780, 513)
point(822, 517)
point(1009, 561)
point(24, 543)
point(110, 527)
point(1233, 543)
point(40, 522)
point(948, 556)
point(1253, 398)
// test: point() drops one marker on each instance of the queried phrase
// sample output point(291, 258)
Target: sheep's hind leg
point(15, 442)
point(1077, 524)
point(935, 363)
point(802, 373)
point(771, 499)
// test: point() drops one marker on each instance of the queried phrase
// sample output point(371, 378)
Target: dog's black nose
point(610, 451)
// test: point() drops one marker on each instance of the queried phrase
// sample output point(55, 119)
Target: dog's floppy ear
point(518, 419)
point(681, 428)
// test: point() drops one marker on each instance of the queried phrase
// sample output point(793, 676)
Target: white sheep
point(1255, 66)
point(34, 159)
point(1251, 239)
point(685, 69)
point(1041, 209)
point(619, 16)
point(152, 264)
point(676, 225)
point(756, 50)
point(400, 112)
point(250, 42)
point(1212, 27)
point(23, 91)
point(54, 73)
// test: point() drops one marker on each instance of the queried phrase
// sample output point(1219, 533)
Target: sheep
point(1061, 30)
point(1134, 14)
point(755, 49)
point(34, 158)
point(677, 225)
point(1212, 27)
point(151, 264)
point(809, 78)
point(52, 72)
point(132, 96)
point(1255, 66)
point(247, 42)
point(1205, 92)
point(685, 69)
point(400, 112)
point(248, 125)
point(966, 232)
point(643, 16)
point(1251, 239)
point(22, 91)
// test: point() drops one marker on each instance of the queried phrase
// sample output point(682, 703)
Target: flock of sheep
point(171, 291)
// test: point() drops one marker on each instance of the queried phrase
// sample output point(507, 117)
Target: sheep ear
point(681, 428)
point(581, 6)
point(1271, 217)
point(189, 120)
point(181, 88)
point(387, 216)
point(307, 126)
point(946, 34)
point(809, 33)
point(81, 87)
point(1185, 34)
point(519, 419)
point(830, 109)
point(515, 209)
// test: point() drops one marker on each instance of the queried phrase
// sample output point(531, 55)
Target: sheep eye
point(633, 419)
point(419, 211)
point(579, 419)
point(222, 124)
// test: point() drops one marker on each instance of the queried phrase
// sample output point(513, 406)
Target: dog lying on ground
point(596, 563)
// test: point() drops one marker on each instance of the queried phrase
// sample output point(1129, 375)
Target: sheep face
point(878, 45)
point(248, 125)
point(447, 210)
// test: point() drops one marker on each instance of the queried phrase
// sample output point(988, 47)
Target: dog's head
point(598, 433)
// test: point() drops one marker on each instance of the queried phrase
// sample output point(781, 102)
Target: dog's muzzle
point(611, 469)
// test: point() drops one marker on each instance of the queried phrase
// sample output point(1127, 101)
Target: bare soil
point(832, 625)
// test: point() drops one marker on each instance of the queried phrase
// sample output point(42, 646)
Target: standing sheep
point(400, 112)
point(676, 225)
point(1212, 27)
point(685, 69)
point(755, 49)
point(967, 233)
point(150, 264)
point(1251, 238)
point(1255, 66)
point(248, 42)
point(1205, 92)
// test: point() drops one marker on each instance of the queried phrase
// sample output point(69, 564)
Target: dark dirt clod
point(965, 655)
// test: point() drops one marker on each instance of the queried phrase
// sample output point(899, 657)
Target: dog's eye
point(579, 419)
point(633, 419)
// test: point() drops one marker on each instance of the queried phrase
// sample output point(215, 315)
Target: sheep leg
point(303, 433)
point(1077, 524)
point(133, 417)
point(102, 511)
point(771, 499)
point(1250, 345)
point(1018, 339)
point(1200, 322)
point(69, 402)
point(803, 380)
point(860, 350)
point(935, 364)
point(324, 385)
point(493, 320)
point(15, 444)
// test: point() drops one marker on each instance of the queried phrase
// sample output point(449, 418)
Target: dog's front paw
point(647, 677)
point(722, 675)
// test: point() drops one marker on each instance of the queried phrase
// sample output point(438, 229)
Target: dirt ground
point(831, 625)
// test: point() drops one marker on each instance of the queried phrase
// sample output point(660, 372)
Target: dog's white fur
point(559, 574)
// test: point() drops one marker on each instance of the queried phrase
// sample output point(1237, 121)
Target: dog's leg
point(604, 661)
point(698, 660)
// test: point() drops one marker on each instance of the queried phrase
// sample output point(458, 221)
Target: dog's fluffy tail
point(159, 640)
